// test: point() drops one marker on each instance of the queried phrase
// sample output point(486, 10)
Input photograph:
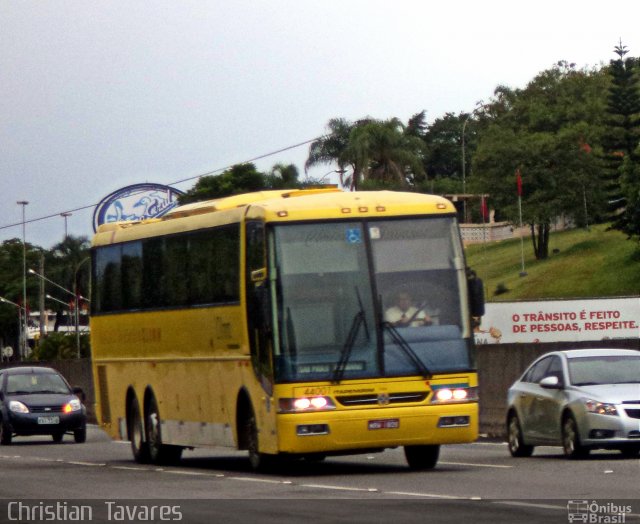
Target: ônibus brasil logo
point(135, 202)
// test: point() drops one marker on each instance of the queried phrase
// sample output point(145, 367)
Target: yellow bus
point(262, 322)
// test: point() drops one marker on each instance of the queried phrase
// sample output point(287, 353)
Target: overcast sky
point(98, 95)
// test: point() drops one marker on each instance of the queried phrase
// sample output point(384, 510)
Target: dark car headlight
point(71, 406)
point(601, 408)
point(18, 407)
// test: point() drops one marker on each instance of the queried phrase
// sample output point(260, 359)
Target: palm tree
point(392, 156)
point(332, 148)
point(369, 150)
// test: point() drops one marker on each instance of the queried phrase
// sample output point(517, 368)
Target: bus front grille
point(382, 399)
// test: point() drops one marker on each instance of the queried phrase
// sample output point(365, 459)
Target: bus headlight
point(303, 404)
point(452, 395)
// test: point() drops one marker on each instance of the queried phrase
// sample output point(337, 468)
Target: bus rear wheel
point(422, 457)
point(159, 453)
point(139, 446)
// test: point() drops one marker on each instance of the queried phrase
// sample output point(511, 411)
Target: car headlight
point(71, 406)
point(18, 407)
point(601, 408)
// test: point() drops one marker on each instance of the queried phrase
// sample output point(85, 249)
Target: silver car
point(580, 399)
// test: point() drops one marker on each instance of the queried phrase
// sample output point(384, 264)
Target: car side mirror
point(79, 392)
point(551, 382)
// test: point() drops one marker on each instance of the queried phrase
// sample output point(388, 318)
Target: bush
point(60, 346)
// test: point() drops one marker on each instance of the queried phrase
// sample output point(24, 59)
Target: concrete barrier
point(499, 365)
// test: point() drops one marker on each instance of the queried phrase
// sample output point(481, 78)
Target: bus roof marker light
point(381, 209)
point(363, 209)
point(282, 214)
point(440, 205)
point(346, 210)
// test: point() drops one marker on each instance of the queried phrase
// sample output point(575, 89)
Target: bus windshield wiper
point(358, 320)
point(399, 341)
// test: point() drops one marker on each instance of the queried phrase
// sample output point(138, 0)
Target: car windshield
point(28, 384)
point(613, 369)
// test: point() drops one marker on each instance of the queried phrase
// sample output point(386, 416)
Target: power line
point(208, 173)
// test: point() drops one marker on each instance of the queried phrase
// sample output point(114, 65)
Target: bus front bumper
point(344, 430)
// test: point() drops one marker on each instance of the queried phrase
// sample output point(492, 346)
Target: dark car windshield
point(30, 383)
point(613, 369)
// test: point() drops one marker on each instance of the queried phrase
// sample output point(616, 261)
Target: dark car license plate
point(48, 420)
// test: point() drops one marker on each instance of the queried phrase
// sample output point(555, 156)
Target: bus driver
point(404, 314)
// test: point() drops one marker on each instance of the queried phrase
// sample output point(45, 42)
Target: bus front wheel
point(422, 457)
point(159, 453)
point(259, 461)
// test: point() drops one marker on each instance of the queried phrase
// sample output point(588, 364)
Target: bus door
point(259, 323)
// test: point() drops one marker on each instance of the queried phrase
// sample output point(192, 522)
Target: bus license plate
point(48, 420)
point(389, 423)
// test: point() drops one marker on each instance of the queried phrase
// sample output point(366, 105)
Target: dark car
point(39, 401)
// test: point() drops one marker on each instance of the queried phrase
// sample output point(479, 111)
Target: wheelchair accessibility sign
point(354, 235)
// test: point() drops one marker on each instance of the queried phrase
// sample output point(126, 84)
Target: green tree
point(241, 178)
point(68, 264)
point(283, 176)
point(546, 131)
point(621, 154)
point(11, 286)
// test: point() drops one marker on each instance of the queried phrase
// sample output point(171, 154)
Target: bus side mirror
point(259, 275)
point(476, 295)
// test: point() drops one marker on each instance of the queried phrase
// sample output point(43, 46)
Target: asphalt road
point(472, 483)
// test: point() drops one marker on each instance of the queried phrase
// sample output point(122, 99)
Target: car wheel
point(159, 453)
point(5, 434)
point(57, 436)
point(80, 434)
point(139, 446)
point(571, 439)
point(517, 447)
point(422, 457)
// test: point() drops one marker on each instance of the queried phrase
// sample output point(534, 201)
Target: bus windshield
point(374, 298)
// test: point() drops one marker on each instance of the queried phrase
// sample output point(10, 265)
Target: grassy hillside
point(581, 263)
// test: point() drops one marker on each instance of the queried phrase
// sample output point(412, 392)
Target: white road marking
point(338, 488)
point(498, 466)
point(427, 495)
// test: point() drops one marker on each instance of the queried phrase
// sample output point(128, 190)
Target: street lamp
point(25, 342)
point(65, 215)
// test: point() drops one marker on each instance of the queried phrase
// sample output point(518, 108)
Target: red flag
point(519, 181)
point(483, 209)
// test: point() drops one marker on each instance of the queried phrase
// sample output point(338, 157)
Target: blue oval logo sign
point(136, 202)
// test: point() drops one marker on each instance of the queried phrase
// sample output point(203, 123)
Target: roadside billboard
point(560, 321)
point(136, 202)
